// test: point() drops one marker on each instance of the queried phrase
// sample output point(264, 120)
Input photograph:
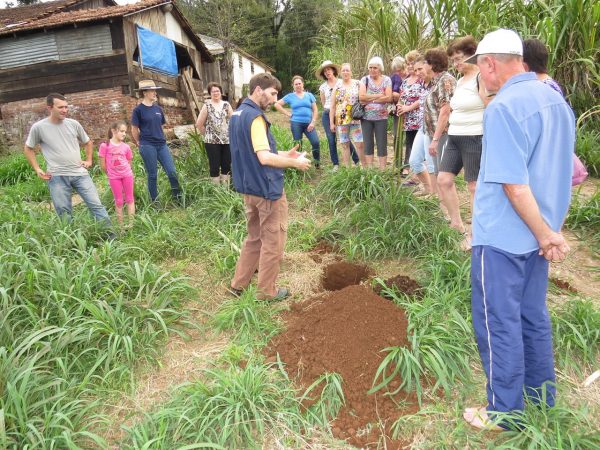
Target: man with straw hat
point(522, 196)
point(147, 120)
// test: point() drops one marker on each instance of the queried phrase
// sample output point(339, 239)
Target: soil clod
point(342, 274)
point(345, 332)
point(563, 285)
point(402, 284)
point(320, 250)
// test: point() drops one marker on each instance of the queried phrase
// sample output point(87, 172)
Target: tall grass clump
point(576, 334)
point(324, 398)
point(544, 428)
point(252, 320)
point(348, 187)
point(392, 225)
point(14, 169)
point(77, 314)
point(234, 408)
point(39, 408)
point(584, 218)
point(440, 334)
point(588, 149)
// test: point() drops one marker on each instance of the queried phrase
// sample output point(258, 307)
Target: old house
point(95, 52)
point(243, 67)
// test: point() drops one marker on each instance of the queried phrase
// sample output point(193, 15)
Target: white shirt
point(466, 118)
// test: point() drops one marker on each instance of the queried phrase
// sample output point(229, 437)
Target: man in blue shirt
point(257, 169)
point(521, 200)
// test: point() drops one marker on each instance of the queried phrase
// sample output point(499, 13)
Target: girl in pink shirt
point(115, 156)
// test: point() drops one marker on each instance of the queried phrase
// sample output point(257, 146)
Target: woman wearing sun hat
point(147, 120)
point(328, 72)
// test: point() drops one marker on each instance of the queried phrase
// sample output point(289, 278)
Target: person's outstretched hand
point(302, 162)
point(293, 153)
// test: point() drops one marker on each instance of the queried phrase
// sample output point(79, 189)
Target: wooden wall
point(64, 77)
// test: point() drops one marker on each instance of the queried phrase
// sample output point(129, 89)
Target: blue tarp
point(157, 52)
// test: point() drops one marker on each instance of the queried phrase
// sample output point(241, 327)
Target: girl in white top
point(463, 148)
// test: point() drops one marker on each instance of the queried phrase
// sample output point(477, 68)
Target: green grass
point(588, 149)
point(325, 396)
point(387, 222)
point(576, 334)
point(235, 408)
point(584, 219)
point(79, 315)
point(253, 321)
point(441, 342)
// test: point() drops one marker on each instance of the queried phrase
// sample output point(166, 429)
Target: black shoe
point(317, 165)
point(282, 294)
point(155, 205)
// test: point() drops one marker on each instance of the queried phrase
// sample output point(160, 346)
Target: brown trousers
point(263, 248)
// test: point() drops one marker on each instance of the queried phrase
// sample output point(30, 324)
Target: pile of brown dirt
point(344, 332)
point(403, 284)
point(341, 274)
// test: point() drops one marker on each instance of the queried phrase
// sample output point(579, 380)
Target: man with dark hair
point(60, 139)
point(257, 169)
point(522, 196)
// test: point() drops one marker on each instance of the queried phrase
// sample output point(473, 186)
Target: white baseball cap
point(501, 41)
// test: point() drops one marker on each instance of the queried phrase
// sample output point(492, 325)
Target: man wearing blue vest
point(257, 169)
point(521, 200)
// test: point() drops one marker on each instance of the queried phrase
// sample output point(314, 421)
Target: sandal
point(479, 418)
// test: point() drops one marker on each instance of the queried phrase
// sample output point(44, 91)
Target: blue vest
point(249, 175)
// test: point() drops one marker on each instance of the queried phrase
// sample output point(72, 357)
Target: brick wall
point(95, 110)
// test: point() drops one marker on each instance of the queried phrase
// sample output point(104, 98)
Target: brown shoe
point(235, 292)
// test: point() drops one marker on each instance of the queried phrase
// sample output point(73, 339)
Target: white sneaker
point(336, 168)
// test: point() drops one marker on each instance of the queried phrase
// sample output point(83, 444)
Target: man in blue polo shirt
point(522, 197)
point(257, 169)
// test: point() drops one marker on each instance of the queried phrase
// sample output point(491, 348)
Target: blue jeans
point(61, 190)
point(301, 128)
point(151, 154)
point(333, 154)
point(419, 154)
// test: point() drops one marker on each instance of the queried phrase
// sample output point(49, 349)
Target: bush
point(588, 150)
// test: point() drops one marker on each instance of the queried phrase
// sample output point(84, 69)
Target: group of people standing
point(510, 132)
point(60, 139)
point(510, 129)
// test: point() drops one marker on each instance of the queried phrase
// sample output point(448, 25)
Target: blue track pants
point(512, 327)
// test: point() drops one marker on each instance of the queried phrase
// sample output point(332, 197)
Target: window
point(252, 68)
point(240, 62)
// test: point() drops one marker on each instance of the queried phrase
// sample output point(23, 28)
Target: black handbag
point(358, 109)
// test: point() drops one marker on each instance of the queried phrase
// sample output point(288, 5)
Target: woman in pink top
point(115, 156)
